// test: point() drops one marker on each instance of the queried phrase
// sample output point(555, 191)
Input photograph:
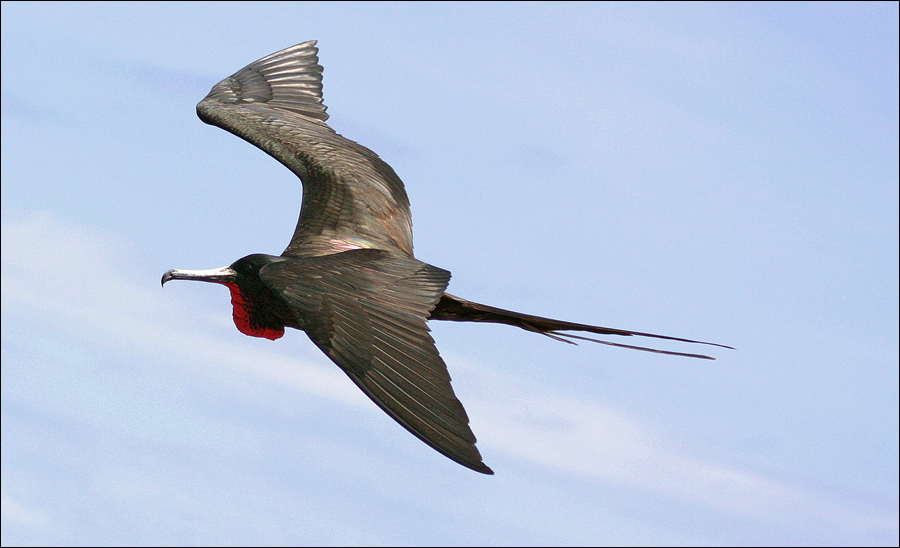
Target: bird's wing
point(351, 197)
point(366, 309)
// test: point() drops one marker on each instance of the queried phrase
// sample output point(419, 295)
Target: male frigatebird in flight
point(348, 278)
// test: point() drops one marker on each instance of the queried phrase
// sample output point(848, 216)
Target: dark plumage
point(348, 277)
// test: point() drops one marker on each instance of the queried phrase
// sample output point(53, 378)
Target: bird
point(348, 278)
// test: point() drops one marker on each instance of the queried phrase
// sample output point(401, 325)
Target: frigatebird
point(348, 277)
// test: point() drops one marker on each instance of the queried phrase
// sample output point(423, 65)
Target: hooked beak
point(216, 275)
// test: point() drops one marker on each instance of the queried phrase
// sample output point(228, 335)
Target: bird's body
point(348, 277)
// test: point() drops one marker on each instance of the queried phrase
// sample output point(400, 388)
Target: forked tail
point(460, 310)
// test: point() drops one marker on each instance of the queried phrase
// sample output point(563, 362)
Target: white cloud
point(98, 294)
point(596, 441)
point(22, 514)
point(77, 279)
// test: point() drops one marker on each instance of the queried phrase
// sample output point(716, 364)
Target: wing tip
point(482, 468)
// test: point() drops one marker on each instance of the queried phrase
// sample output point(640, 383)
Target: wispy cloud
point(100, 294)
point(21, 514)
point(79, 280)
point(593, 440)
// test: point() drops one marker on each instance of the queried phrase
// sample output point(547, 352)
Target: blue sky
point(724, 172)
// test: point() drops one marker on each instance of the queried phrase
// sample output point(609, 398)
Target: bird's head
point(258, 310)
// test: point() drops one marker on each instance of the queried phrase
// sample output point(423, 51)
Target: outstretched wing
point(351, 198)
point(366, 309)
